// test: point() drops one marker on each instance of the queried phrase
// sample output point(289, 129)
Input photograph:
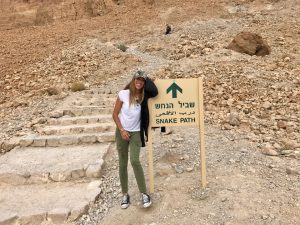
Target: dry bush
point(122, 47)
point(77, 86)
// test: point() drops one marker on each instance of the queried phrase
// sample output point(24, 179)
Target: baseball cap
point(140, 74)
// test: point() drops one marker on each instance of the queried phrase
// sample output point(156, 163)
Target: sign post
point(179, 103)
point(201, 134)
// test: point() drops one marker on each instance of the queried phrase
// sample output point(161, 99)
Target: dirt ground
point(244, 186)
point(261, 93)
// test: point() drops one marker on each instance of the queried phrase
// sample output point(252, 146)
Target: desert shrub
point(77, 86)
point(122, 47)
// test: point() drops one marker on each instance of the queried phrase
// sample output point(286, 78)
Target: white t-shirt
point(130, 116)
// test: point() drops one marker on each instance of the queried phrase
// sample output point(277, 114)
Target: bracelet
point(122, 129)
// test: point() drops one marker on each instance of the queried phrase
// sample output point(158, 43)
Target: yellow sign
point(177, 103)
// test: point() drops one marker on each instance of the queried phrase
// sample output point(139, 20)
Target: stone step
point(95, 98)
point(88, 99)
point(53, 203)
point(100, 103)
point(52, 164)
point(61, 140)
point(76, 129)
point(97, 95)
point(87, 110)
point(98, 91)
point(67, 120)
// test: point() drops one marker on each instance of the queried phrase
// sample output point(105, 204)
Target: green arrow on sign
point(174, 88)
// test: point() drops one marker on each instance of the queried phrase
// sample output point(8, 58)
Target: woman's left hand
point(125, 135)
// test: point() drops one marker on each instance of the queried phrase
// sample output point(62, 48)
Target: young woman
point(131, 116)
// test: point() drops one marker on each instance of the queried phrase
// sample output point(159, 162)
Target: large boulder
point(250, 43)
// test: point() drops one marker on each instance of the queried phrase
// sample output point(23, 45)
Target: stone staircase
point(53, 175)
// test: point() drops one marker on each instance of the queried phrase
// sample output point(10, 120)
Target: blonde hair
point(133, 92)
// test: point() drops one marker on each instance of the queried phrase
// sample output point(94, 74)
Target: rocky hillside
point(36, 58)
point(57, 54)
point(36, 12)
point(251, 101)
point(20, 13)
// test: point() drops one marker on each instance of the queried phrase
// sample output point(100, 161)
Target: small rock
point(286, 152)
point(288, 144)
point(231, 161)
point(264, 217)
point(268, 150)
point(179, 169)
point(281, 124)
point(267, 105)
point(186, 157)
point(291, 171)
point(39, 121)
point(55, 114)
point(179, 139)
point(9, 145)
point(227, 126)
point(272, 216)
point(234, 119)
point(224, 199)
point(277, 146)
point(189, 169)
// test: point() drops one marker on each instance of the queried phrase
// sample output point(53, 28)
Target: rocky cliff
point(37, 12)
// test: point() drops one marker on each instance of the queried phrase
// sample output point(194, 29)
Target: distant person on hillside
point(131, 116)
point(168, 29)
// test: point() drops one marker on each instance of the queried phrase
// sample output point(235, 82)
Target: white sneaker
point(146, 200)
point(125, 201)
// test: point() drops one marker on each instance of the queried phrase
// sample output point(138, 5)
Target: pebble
point(179, 169)
point(292, 171)
point(268, 149)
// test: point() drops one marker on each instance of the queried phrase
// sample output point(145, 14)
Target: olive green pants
point(133, 146)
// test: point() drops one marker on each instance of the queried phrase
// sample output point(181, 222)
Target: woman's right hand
point(125, 135)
